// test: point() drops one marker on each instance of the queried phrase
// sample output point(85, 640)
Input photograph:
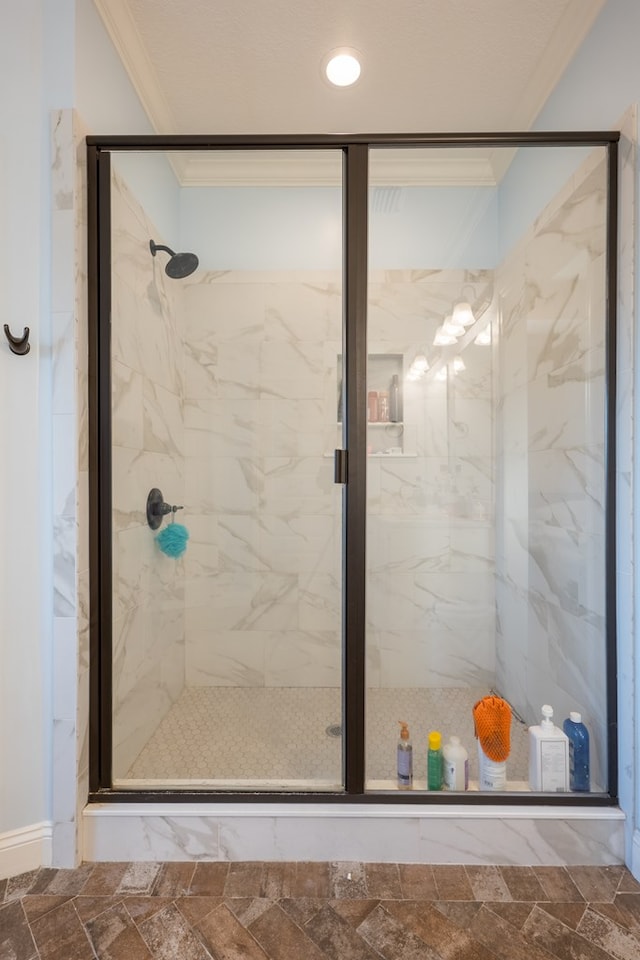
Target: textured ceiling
point(254, 66)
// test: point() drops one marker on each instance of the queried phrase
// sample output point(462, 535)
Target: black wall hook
point(18, 345)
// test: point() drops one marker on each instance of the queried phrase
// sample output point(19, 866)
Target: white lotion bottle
point(548, 755)
point(455, 765)
point(492, 774)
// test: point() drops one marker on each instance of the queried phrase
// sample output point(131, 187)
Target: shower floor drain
point(334, 730)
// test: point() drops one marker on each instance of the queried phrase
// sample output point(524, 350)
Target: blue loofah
point(173, 539)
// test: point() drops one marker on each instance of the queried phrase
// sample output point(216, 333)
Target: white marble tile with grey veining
point(163, 420)
point(293, 369)
point(220, 312)
point(320, 601)
point(246, 601)
point(239, 544)
point(224, 657)
point(303, 658)
point(294, 427)
point(226, 485)
point(222, 427)
point(566, 488)
point(345, 835)
point(298, 485)
point(127, 410)
point(293, 311)
point(300, 543)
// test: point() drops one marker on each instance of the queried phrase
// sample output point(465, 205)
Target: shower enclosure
point(380, 390)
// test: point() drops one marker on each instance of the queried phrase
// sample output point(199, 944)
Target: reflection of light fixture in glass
point(443, 339)
point(484, 337)
point(421, 363)
point(452, 329)
point(343, 68)
point(459, 365)
point(418, 368)
point(463, 314)
point(441, 374)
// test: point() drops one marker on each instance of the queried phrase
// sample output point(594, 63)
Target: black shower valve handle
point(157, 508)
point(164, 508)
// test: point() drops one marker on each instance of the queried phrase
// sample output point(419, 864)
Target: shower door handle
point(340, 466)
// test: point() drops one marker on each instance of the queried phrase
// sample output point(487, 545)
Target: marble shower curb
point(467, 834)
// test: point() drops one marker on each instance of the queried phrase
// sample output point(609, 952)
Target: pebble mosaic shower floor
point(291, 734)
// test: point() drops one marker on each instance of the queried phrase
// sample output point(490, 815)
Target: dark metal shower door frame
point(355, 149)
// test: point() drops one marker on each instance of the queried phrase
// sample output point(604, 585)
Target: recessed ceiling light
point(342, 67)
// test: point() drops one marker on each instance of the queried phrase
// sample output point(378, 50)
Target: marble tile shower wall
point(550, 580)
point(430, 552)
point(70, 485)
point(263, 567)
point(148, 451)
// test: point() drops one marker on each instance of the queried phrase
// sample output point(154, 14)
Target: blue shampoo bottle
point(579, 777)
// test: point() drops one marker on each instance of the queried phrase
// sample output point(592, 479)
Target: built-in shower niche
point(385, 407)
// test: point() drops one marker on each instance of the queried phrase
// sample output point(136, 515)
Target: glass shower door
point(486, 538)
point(227, 659)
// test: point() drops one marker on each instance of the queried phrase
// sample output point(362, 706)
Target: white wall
point(25, 528)
point(104, 95)
point(258, 228)
point(38, 654)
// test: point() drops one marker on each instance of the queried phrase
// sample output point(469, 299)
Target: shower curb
point(370, 833)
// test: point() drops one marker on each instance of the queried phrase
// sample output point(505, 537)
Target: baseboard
point(25, 849)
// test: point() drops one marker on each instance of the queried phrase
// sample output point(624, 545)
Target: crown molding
point(573, 27)
point(123, 31)
point(397, 168)
point(565, 41)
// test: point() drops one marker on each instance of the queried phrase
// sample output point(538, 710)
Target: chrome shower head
point(179, 265)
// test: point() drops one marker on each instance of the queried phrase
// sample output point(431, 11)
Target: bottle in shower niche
point(455, 765)
point(372, 406)
point(579, 775)
point(394, 399)
point(404, 758)
point(434, 761)
point(548, 755)
point(383, 406)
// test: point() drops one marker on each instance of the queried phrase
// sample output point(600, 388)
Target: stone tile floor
point(315, 911)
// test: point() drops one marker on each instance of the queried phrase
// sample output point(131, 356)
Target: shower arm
point(154, 247)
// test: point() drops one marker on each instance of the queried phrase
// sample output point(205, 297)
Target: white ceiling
point(255, 66)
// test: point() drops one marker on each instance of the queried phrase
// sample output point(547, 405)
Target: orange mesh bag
point(492, 721)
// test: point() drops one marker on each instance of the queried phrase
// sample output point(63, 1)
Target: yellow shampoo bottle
point(434, 761)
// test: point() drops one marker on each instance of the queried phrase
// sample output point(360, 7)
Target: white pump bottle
point(548, 755)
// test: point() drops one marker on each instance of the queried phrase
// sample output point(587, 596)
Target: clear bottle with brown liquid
point(405, 758)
